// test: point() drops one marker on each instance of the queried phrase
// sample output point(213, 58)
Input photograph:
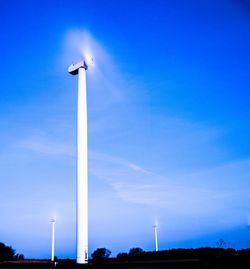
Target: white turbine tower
point(82, 163)
point(53, 221)
point(156, 236)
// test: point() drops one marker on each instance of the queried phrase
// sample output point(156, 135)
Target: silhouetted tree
point(6, 253)
point(135, 252)
point(101, 254)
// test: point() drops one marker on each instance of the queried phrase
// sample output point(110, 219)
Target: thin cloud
point(44, 147)
point(137, 168)
point(119, 162)
point(189, 194)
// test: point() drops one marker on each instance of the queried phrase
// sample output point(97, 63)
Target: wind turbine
point(82, 163)
point(156, 236)
point(53, 221)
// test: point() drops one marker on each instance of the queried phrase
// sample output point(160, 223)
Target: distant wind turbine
point(156, 236)
point(53, 221)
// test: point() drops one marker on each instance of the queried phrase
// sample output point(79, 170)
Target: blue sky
point(168, 103)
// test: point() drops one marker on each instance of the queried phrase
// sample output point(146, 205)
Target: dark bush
point(122, 256)
point(133, 252)
point(101, 254)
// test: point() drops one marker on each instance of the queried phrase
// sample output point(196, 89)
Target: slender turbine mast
point(156, 236)
point(53, 221)
point(82, 163)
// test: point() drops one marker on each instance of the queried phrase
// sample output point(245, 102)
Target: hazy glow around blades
point(89, 60)
point(80, 45)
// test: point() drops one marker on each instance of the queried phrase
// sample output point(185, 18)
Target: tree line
point(206, 257)
point(218, 257)
point(101, 254)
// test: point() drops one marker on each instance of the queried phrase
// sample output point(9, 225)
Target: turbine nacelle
point(74, 68)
